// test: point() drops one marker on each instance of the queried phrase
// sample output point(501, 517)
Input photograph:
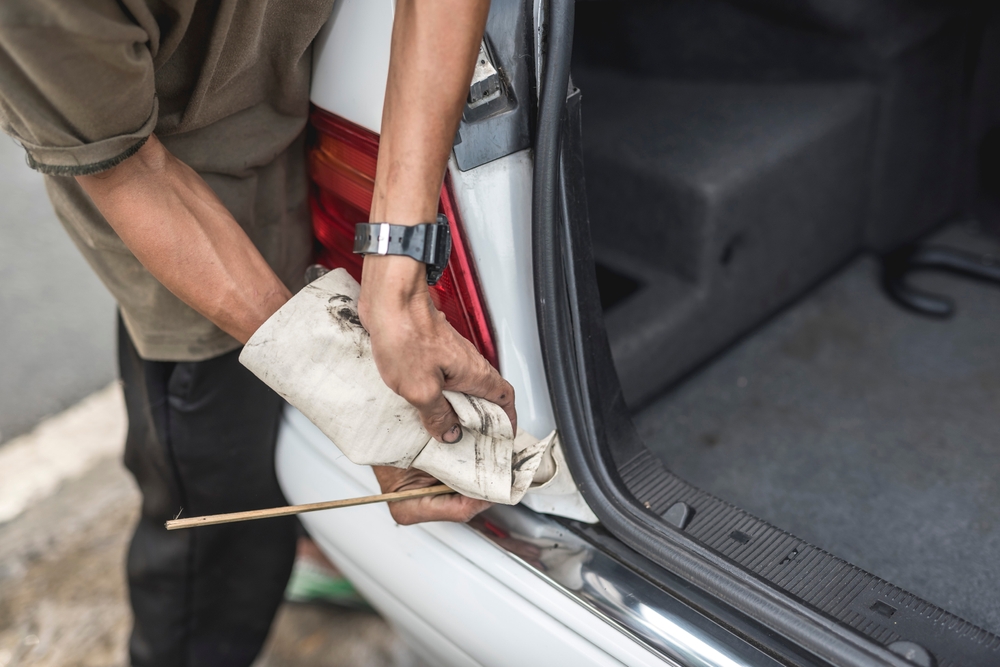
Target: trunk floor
point(869, 431)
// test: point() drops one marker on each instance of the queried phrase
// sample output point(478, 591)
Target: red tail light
point(342, 159)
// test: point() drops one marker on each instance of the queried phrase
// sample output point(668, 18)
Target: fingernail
point(454, 435)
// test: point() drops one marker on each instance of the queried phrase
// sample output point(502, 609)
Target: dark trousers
point(201, 440)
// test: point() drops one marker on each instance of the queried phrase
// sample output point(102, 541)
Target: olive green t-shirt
point(225, 86)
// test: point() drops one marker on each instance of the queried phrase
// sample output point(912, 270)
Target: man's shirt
point(224, 84)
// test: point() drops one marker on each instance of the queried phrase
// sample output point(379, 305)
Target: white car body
point(458, 598)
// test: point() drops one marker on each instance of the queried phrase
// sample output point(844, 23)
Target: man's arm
point(434, 49)
point(176, 226)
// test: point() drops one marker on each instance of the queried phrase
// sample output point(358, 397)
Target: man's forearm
point(174, 224)
point(434, 47)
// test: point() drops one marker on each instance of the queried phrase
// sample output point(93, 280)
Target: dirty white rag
point(315, 353)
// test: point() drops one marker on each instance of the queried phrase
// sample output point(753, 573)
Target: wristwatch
point(429, 243)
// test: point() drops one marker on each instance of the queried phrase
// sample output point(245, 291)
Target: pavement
point(63, 598)
point(57, 331)
point(67, 506)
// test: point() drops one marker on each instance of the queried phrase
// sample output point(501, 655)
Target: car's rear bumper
point(463, 599)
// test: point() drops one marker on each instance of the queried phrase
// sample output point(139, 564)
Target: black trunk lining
point(847, 593)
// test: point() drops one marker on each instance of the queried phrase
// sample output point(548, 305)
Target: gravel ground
point(63, 597)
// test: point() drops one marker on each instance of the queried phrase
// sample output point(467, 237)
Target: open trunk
point(734, 183)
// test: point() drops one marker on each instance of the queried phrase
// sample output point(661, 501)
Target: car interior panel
point(762, 176)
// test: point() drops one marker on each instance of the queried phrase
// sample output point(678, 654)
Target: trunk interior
point(752, 167)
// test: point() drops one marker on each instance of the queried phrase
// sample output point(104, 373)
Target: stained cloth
point(316, 354)
point(224, 84)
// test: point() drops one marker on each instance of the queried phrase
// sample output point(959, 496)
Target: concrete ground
point(63, 596)
point(66, 504)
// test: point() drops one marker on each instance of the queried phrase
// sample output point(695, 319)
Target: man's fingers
point(448, 507)
point(505, 399)
point(454, 507)
point(436, 414)
point(478, 378)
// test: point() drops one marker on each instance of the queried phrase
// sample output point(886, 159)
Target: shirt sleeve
point(77, 84)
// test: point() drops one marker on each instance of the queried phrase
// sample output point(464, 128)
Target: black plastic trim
point(508, 130)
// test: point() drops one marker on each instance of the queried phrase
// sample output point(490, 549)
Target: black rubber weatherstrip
point(565, 346)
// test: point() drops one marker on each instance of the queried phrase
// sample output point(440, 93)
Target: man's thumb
point(440, 420)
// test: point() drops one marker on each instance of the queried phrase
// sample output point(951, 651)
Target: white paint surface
point(61, 447)
point(495, 203)
point(351, 61)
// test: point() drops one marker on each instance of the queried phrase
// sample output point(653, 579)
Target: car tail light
point(342, 158)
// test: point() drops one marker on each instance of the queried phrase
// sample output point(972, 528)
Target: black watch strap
point(429, 243)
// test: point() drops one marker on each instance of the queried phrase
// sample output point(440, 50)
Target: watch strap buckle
point(429, 242)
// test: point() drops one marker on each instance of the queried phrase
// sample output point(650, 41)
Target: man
point(171, 136)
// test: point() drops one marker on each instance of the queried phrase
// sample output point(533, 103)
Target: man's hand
point(434, 49)
point(418, 353)
point(448, 507)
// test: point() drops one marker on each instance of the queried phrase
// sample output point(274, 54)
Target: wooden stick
point(214, 519)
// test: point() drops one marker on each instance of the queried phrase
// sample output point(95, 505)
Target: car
point(638, 193)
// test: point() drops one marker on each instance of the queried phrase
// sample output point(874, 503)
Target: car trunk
point(748, 166)
point(865, 429)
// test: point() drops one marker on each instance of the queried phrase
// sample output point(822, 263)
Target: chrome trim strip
point(621, 597)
